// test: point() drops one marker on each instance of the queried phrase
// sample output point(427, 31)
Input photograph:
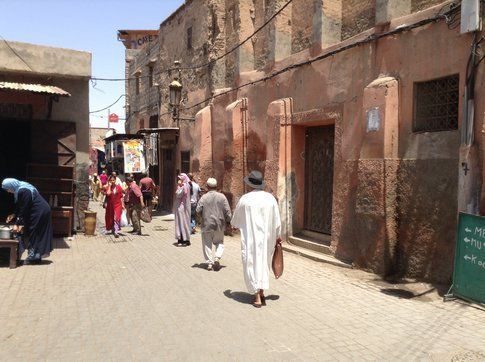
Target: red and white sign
point(113, 118)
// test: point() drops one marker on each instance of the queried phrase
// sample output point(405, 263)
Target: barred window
point(150, 75)
point(185, 160)
point(189, 38)
point(436, 104)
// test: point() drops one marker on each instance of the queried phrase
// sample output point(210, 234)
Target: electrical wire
point(112, 104)
point(370, 38)
point(17, 54)
point(212, 61)
point(238, 45)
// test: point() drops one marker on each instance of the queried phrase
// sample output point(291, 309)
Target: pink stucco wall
point(395, 197)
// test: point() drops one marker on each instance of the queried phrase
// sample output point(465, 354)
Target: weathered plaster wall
point(144, 104)
point(387, 199)
point(395, 192)
point(70, 70)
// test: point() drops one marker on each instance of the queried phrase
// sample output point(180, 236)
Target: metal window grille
point(137, 85)
point(189, 38)
point(150, 76)
point(436, 105)
point(185, 158)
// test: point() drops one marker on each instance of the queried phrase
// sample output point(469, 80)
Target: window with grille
point(150, 76)
point(189, 38)
point(137, 84)
point(185, 160)
point(436, 105)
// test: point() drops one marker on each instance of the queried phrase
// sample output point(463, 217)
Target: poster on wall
point(134, 156)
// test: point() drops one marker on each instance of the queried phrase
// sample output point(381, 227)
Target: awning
point(35, 88)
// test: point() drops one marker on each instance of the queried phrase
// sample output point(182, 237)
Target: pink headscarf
point(185, 182)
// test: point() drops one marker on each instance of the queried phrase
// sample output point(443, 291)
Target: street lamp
point(175, 92)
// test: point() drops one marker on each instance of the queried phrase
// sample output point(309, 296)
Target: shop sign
point(113, 118)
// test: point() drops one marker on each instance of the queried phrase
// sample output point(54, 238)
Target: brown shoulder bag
point(277, 262)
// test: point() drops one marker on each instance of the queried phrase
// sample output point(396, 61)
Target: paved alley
point(142, 298)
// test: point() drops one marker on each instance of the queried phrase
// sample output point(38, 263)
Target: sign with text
point(469, 273)
point(134, 156)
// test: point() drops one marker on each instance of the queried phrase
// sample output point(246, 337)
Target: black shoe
point(32, 261)
point(116, 236)
point(187, 243)
point(138, 233)
point(180, 243)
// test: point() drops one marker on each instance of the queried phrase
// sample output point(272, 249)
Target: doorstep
point(322, 255)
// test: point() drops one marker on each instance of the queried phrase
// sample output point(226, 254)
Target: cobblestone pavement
point(142, 298)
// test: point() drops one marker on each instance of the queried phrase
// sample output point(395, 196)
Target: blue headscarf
point(15, 185)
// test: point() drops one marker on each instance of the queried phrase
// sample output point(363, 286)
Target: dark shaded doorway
point(168, 179)
point(319, 153)
point(15, 141)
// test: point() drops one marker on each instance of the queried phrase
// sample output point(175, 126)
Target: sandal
point(263, 298)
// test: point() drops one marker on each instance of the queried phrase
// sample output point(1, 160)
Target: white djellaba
point(258, 217)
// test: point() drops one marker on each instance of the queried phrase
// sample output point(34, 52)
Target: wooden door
point(168, 179)
point(319, 144)
point(53, 142)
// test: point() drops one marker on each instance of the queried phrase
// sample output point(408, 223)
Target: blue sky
point(89, 25)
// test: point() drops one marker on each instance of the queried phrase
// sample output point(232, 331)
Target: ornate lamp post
point(175, 92)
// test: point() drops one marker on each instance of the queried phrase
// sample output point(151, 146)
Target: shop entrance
point(319, 154)
point(15, 151)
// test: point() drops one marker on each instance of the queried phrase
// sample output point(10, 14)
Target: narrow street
point(142, 298)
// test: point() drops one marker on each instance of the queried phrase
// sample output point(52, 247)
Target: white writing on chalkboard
point(473, 259)
point(480, 231)
point(475, 243)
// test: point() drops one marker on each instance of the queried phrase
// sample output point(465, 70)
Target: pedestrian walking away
point(257, 216)
point(114, 206)
point(194, 199)
point(215, 211)
point(182, 211)
point(147, 187)
point(32, 217)
point(135, 204)
point(103, 178)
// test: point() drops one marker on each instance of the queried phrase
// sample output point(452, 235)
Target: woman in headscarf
point(182, 211)
point(34, 214)
point(114, 206)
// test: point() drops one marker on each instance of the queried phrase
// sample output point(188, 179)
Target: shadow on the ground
point(60, 243)
point(42, 262)
point(246, 298)
point(204, 266)
point(404, 293)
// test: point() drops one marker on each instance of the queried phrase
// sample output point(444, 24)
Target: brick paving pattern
point(142, 298)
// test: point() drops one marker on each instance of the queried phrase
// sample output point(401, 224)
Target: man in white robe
point(258, 217)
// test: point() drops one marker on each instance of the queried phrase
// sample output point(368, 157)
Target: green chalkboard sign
point(469, 272)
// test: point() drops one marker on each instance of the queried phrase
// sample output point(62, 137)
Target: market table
point(13, 245)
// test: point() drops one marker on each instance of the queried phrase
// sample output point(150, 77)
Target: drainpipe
point(287, 124)
point(244, 124)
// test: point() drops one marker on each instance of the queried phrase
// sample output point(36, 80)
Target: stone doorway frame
point(291, 165)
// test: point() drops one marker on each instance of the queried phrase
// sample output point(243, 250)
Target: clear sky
point(88, 25)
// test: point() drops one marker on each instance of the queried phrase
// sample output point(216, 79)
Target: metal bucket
point(6, 232)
